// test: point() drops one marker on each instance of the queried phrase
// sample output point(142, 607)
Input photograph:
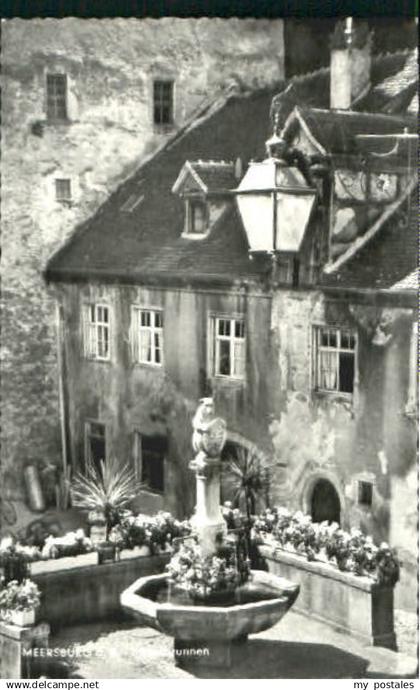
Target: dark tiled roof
point(336, 130)
point(216, 175)
point(146, 244)
point(392, 75)
point(387, 258)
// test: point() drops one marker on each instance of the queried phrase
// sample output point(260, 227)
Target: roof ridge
point(345, 111)
point(389, 53)
point(308, 75)
point(296, 78)
point(210, 161)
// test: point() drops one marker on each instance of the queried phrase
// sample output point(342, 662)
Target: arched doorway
point(325, 502)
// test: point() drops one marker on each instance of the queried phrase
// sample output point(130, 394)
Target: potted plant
point(15, 559)
point(248, 478)
point(104, 492)
point(18, 602)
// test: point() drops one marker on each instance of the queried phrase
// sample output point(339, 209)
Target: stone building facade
point(83, 103)
point(300, 330)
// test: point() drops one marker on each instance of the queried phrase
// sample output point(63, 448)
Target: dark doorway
point(325, 503)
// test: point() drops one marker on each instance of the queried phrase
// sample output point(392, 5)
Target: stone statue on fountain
point(209, 437)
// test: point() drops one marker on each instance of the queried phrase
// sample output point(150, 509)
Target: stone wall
point(161, 401)
point(328, 436)
point(110, 67)
point(77, 590)
point(354, 605)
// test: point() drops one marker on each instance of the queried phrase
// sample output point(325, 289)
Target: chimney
point(351, 45)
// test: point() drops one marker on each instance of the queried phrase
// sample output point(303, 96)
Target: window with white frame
point(228, 347)
point(96, 331)
point(335, 359)
point(147, 336)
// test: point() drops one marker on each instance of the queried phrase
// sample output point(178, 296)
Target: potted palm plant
point(247, 479)
point(103, 492)
point(18, 602)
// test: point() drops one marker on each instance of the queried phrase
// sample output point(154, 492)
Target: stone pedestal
point(208, 519)
point(15, 647)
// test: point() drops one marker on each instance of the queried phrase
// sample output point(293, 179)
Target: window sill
point(336, 396)
point(65, 122)
point(151, 492)
point(229, 381)
point(148, 365)
point(195, 235)
point(99, 360)
point(164, 128)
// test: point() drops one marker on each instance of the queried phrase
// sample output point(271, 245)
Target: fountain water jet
point(208, 633)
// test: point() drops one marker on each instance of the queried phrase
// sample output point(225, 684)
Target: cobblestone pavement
point(297, 647)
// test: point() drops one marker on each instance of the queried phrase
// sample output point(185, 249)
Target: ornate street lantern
point(275, 201)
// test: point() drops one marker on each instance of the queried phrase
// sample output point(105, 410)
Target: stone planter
point(22, 618)
point(77, 590)
point(142, 550)
point(351, 604)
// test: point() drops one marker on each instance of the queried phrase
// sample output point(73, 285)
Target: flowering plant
point(233, 517)
point(19, 596)
point(205, 576)
point(350, 551)
point(15, 559)
point(71, 544)
point(144, 530)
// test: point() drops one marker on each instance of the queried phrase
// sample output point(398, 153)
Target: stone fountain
point(209, 635)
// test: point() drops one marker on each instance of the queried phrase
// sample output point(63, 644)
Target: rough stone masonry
point(110, 67)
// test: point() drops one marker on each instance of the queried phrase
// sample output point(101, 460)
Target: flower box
point(351, 604)
point(23, 618)
point(142, 550)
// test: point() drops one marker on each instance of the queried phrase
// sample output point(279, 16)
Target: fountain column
point(208, 440)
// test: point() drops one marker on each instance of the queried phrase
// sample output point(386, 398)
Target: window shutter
point(210, 346)
point(89, 332)
point(86, 331)
point(134, 334)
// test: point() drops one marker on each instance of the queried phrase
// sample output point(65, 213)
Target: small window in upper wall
point(163, 102)
point(365, 493)
point(56, 96)
point(63, 189)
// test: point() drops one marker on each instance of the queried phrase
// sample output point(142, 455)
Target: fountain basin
point(209, 634)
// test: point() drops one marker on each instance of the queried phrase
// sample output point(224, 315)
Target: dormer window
point(205, 187)
point(197, 216)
